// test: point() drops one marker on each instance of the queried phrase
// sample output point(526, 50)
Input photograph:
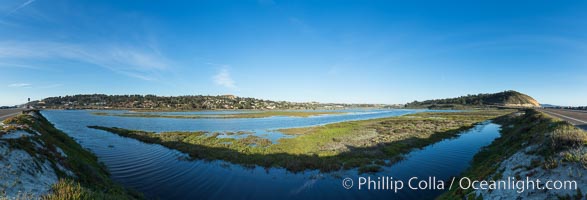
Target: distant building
point(228, 96)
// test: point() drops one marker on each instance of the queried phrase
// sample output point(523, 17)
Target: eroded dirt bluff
point(39, 161)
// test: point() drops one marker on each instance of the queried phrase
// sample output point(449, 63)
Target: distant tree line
point(570, 107)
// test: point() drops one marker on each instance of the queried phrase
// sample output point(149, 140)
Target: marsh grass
point(362, 144)
point(71, 189)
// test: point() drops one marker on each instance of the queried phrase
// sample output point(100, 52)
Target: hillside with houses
point(196, 102)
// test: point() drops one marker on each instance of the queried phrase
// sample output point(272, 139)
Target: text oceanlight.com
point(432, 183)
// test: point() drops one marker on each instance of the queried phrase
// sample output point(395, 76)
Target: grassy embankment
point(224, 116)
point(91, 179)
point(366, 144)
point(557, 142)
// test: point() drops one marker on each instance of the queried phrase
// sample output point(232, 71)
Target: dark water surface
point(162, 173)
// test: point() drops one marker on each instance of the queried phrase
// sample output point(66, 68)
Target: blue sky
point(327, 51)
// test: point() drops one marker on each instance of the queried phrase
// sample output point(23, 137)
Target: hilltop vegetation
point(198, 102)
point(506, 98)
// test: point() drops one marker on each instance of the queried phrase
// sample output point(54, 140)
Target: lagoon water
point(162, 173)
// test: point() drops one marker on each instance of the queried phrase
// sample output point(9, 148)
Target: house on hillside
point(229, 96)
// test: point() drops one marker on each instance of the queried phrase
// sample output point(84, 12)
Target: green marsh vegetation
point(366, 144)
point(556, 142)
point(261, 114)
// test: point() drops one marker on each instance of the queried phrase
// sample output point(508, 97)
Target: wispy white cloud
point(224, 66)
point(21, 6)
point(28, 85)
point(143, 63)
point(12, 65)
point(223, 78)
point(19, 85)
